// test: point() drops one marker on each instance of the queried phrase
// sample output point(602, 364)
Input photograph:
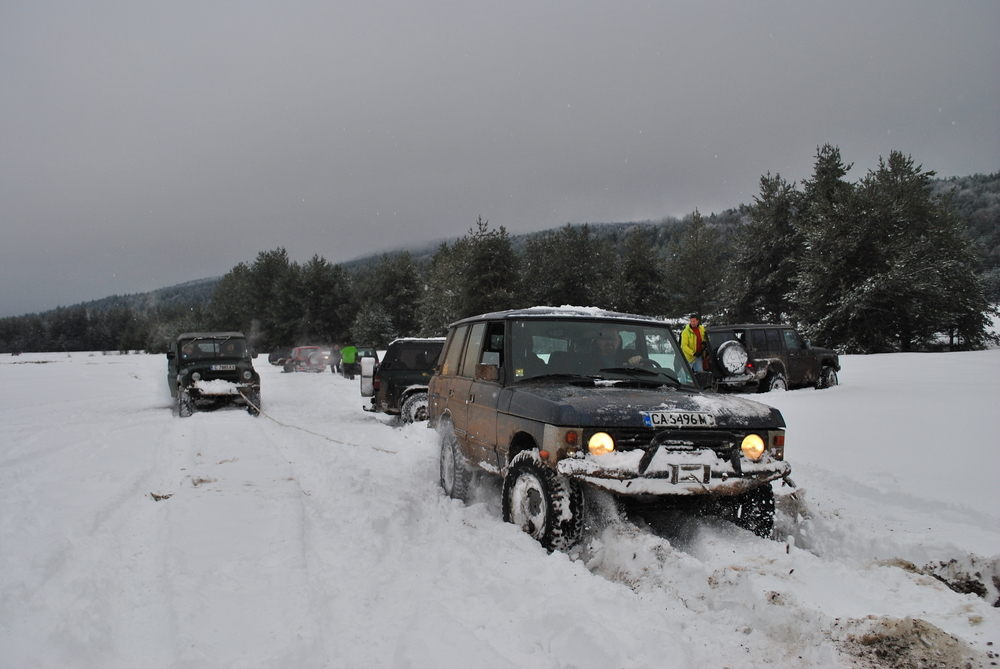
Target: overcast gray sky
point(143, 144)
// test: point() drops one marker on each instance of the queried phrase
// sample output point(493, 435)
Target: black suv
point(207, 370)
point(561, 400)
point(398, 385)
point(768, 357)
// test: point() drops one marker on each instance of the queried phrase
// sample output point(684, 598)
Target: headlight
point(601, 444)
point(753, 447)
point(196, 376)
point(247, 375)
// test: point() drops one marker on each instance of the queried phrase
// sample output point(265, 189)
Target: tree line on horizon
point(882, 264)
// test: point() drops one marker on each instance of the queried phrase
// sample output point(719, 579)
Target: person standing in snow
point(694, 344)
point(335, 358)
point(348, 355)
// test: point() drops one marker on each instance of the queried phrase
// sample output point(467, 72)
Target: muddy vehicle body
point(768, 357)
point(209, 370)
point(559, 401)
point(398, 384)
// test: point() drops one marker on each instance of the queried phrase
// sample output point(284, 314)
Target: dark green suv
point(562, 401)
point(208, 370)
point(398, 385)
point(768, 357)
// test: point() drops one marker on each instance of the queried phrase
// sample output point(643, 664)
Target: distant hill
point(975, 199)
point(198, 291)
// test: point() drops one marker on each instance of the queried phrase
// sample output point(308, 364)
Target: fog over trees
point(894, 261)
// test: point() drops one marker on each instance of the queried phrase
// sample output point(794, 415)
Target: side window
point(792, 340)
point(493, 348)
point(628, 340)
point(759, 340)
point(454, 351)
point(472, 350)
point(773, 340)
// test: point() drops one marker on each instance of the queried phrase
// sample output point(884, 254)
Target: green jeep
point(398, 385)
point(208, 370)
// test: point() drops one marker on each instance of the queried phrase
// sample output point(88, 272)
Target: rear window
point(418, 357)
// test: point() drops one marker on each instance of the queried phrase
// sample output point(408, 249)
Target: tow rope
point(302, 429)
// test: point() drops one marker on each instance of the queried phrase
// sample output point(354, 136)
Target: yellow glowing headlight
point(753, 447)
point(600, 444)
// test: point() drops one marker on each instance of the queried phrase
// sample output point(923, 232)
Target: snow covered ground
point(316, 536)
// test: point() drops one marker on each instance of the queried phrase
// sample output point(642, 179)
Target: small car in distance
point(399, 383)
point(305, 359)
point(209, 370)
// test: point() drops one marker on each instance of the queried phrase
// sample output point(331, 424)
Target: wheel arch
point(519, 443)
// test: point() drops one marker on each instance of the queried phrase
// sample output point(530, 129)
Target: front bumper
point(672, 472)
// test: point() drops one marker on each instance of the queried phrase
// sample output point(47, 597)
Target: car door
point(803, 369)
point(441, 392)
point(461, 391)
point(484, 393)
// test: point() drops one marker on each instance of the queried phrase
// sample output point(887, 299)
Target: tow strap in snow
point(315, 434)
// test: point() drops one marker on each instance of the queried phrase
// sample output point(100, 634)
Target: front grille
point(721, 442)
point(233, 376)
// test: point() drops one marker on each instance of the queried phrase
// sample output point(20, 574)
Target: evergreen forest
point(895, 261)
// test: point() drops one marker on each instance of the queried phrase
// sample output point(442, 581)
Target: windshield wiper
point(644, 372)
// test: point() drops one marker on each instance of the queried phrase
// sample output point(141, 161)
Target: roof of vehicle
point(748, 325)
point(567, 311)
point(209, 335)
point(418, 340)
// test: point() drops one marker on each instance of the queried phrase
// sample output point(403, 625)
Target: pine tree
point(827, 265)
point(488, 270)
point(566, 266)
point(639, 283)
point(766, 249)
point(693, 277)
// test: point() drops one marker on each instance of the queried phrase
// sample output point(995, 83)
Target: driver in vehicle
point(608, 346)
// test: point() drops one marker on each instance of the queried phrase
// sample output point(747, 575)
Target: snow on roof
point(208, 335)
point(416, 340)
point(565, 311)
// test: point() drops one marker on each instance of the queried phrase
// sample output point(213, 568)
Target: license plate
point(677, 419)
point(223, 368)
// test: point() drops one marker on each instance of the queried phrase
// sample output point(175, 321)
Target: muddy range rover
point(562, 401)
point(209, 370)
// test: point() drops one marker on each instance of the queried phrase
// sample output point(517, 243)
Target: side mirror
point(170, 355)
point(704, 381)
point(487, 373)
point(254, 354)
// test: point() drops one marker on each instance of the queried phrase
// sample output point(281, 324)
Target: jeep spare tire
point(732, 357)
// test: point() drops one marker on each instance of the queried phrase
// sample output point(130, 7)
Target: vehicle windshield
point(230, 347)
point(599, 349)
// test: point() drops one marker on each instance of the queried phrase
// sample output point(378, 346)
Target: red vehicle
point(306, 359)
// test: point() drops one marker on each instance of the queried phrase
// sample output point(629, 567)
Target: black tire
point(547, 506)
point(414, 409)
point(753, 510)
point(185, 405)
point(828, 377)
point(289, 367)
point(773, 381)
point(456, 474)
point(253, 403)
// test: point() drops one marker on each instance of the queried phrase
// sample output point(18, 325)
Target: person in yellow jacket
point(694, 344)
